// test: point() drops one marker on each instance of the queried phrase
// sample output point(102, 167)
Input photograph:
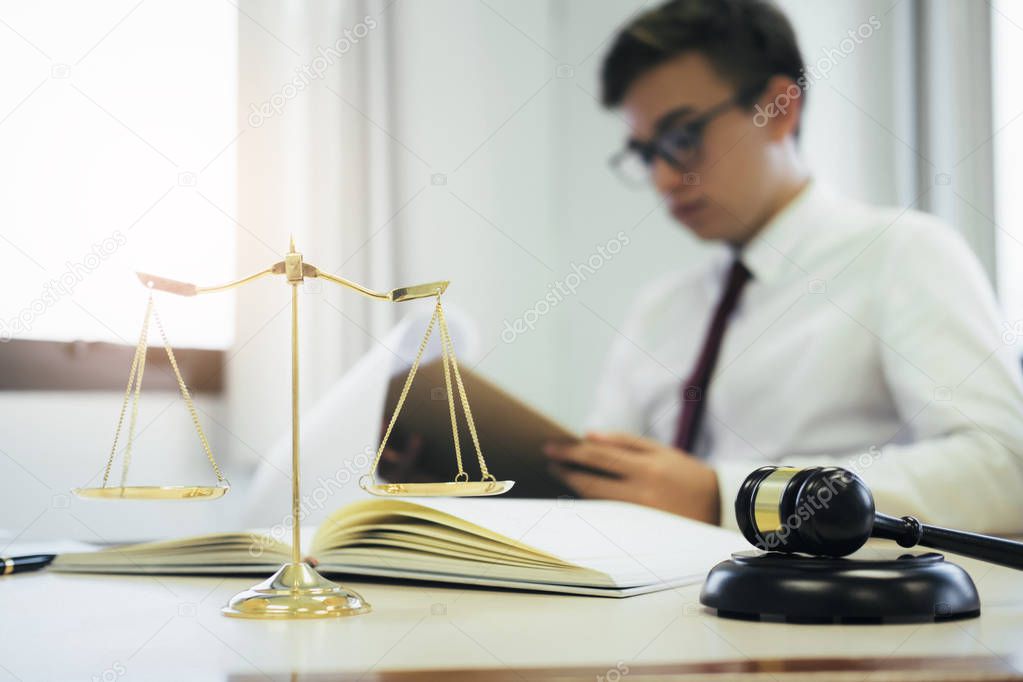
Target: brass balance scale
point(296, 590)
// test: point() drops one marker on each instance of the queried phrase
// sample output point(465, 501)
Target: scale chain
point(133, 392)
point(450, 367)
point(140, 351)
point(188, 399)
point(446, 342)
point(446, 364)
point(404, 393)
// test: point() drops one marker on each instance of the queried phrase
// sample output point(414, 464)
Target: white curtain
point(904, 116)
point(954, 132)
point(314, 162)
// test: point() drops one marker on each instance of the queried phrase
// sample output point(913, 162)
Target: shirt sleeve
point(957, 387)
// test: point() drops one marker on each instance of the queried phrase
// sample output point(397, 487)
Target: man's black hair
point(746, 42)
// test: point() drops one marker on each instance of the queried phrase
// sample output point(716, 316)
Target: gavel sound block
point(805, 520)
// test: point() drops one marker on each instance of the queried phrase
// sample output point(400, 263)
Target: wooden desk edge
point(896, 669)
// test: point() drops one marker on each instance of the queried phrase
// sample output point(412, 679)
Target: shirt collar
point(774, 249)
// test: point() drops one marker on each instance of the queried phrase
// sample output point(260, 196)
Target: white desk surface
point(80, 627)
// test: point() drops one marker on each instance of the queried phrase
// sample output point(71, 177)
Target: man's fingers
point(400, 463)
point(624, 440)
point(405, 453)
point(590, 455)
point(591, 485)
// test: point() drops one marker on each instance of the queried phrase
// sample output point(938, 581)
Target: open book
point(590, 547)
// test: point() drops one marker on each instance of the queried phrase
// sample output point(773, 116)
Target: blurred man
point(828, 332)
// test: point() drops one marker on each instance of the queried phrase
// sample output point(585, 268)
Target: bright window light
point(1007, 56)
point(118, 124)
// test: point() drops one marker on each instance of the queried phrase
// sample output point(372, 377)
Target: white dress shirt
point(868, 338)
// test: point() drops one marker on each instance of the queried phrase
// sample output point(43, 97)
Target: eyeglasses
point(678, 139)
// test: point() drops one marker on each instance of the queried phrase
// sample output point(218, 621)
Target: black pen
point(20, 564)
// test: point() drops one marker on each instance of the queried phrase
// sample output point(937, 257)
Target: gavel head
point(819, 510)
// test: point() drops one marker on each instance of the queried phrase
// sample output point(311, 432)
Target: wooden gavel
point(830, 511)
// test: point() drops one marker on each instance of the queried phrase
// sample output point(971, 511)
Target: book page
point(219, 549)
point(633, 545)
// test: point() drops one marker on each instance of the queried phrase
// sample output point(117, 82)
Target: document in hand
point(511, 432)
point(588, 547)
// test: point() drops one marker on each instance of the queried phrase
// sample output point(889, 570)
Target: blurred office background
point(399, 142)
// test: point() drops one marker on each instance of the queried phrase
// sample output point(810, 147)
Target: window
point(1007, 54)
point(117, 131)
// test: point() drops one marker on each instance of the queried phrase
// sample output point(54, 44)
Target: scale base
point(797, 588)
point(296, 591)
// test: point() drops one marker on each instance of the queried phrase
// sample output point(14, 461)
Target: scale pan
point(154, 492)
point(449, 489)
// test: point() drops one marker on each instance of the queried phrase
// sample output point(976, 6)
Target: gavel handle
point(909, 532)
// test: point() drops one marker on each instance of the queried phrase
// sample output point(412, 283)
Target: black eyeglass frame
point(647, 151)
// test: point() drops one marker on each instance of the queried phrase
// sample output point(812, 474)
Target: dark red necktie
point(694, 390)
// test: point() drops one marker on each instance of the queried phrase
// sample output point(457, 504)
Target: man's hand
point(639, 470)
point(400, 461)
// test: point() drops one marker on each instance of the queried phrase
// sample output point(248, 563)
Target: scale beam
point(409, 293)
